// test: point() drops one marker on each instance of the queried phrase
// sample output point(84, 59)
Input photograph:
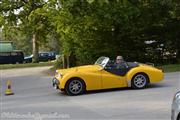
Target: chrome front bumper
point(55, 83)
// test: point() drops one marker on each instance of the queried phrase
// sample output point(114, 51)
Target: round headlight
point(56, 72)
point(59, 75)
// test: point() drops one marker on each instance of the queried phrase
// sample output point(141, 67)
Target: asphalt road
point(35, 99)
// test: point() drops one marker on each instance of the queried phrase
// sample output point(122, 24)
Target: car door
point(111, 79)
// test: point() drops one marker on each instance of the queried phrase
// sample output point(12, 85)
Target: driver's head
point(119, 59)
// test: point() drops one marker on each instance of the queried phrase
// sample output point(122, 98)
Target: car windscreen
point(102, 61)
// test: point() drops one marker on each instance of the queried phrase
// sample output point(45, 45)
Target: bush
point(58, 63)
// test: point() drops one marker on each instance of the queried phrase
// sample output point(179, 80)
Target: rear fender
point(133, 72)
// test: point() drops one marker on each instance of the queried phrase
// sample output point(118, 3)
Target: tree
point(87, 29)
point(92, 28)
point(29, 16)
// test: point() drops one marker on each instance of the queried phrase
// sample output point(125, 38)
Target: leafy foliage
point(87, 29)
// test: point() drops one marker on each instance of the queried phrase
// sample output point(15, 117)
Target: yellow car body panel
point(91, 75)
point(110, 80)
point(95, 77)
point(154, 74)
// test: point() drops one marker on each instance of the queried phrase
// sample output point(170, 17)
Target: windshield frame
point(102, 61)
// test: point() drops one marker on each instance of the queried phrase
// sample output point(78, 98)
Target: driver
point(120, 62)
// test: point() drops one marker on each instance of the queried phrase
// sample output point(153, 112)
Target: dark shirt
point(121, 65)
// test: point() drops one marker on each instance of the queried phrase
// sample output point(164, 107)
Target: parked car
point(103, 75)
point(175, 110)
point(8, 55)
point(43, 57)
point(11, 57)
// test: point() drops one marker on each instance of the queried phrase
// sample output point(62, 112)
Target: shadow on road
point(150, 86)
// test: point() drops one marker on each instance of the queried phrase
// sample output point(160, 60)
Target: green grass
point(11, 66)
point(170, 67)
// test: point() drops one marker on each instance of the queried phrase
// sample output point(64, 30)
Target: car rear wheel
point(139, 81)
point(75, 87)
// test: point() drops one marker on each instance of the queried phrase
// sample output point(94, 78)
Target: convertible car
point(105, 75)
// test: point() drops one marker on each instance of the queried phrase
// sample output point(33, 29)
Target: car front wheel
point(75, 87)
point(139, 81)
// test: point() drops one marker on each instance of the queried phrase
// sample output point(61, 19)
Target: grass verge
point(170, 67)
point(11, 66)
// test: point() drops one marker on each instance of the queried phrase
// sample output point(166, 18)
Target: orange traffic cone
point(8, 90)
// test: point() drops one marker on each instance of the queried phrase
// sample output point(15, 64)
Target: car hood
point(85, 68)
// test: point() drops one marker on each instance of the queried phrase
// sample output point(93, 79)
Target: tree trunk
point(67, 58)
point(63, 61)
point(35, 49)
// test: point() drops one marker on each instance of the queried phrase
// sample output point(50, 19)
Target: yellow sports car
point(104, 75)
